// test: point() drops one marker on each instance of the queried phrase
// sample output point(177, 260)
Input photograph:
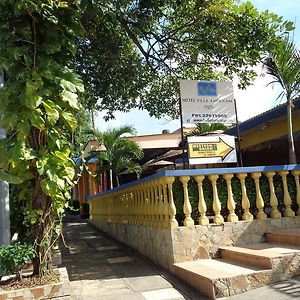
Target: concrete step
point(283, 260)
point(240, 269)
point(259, 255)
point(285, 237)
point(220, 278)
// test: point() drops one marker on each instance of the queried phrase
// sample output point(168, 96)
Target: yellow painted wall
point(268, 131)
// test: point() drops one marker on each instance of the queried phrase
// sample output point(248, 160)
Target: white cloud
point(257, 98)
point(140, 119)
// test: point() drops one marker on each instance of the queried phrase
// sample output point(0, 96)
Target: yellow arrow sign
point(209, 149)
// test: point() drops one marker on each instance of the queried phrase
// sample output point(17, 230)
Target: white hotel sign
point(207, 102)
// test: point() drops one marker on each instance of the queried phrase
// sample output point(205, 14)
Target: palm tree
point(125, 155)
point(120, 154)
point(206, 128)
point(283, 64)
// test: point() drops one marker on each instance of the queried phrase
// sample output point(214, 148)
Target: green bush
point(237, 195)
point(85, 210)
point(14, 257)
point(74, 207)
point(18, 212)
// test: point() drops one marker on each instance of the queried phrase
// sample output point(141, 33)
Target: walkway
point(101, 268)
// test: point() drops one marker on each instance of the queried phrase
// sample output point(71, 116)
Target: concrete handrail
point(149, 201)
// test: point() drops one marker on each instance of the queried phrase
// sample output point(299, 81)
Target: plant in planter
point(39, 100)
point(74, 207)
point(85, 210)
point(14, 257)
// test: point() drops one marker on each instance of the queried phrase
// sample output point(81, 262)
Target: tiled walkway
point(100, 268)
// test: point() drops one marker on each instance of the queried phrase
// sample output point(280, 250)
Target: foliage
point(14, 257)
point(283, 64)
point(119, 155)
point(237, 195)
point(18, 212)
point(74, 207)
point(85, 210)
point(206, 128)
point(80, 137)
point(134, 52)
point(38, 103)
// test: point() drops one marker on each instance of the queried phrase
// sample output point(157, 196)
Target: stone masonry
point(169, 246)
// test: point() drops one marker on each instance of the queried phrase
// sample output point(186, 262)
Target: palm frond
point(120, 154)
point(205, 128)
point(283, 65)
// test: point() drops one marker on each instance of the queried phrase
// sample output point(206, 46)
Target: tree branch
point(34, 38)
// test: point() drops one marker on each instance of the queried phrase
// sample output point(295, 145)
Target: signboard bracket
point(182, 136)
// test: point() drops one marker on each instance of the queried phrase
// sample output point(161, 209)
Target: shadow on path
point(101, 268)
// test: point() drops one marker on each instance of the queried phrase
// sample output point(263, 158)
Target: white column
point(4, 198)
point(4, 209)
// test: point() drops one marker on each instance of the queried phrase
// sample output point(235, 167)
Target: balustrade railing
point(154, 201)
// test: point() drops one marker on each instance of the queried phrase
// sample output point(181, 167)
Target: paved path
point(101, 268)
point(285, 290)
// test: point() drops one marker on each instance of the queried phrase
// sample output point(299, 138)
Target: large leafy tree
point(132, 55)
point(134, 52)
point(38, 103)
point(80, 137)
point(283, 64)
point(119, 154)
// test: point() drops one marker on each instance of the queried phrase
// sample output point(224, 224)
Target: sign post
point(240, 157)
point(182, 137)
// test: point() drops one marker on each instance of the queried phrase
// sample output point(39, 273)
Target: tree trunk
point(42, 231)
point(117, 179)
point(93, 118)
point(291, 145)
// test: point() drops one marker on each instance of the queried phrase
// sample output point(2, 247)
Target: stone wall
point(155, 243)
point(168, 246)
point(203, 241)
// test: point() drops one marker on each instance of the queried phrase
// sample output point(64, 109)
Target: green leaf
point(60, 182)
point(71, 98)
point(51, 111)
point(42, 163)
point(10, 178)
point(68, 85)
point(49, 187)
point(36, 120)
point(29, 154)
point(70, 172)
point(70, 120)
point(32, 100)
point(23, 129)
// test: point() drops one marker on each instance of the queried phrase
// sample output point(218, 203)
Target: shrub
point(237, 195)
point(85, 210)
point(74, 207)
point(18, 212)
point(14, 257)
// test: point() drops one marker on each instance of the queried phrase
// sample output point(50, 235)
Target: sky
point(256, 99)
